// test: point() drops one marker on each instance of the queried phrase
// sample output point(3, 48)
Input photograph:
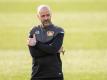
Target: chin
point(46, 25)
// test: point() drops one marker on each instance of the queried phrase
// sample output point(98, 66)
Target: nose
point(45, 17)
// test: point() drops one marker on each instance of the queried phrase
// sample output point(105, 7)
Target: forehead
point(44, 11)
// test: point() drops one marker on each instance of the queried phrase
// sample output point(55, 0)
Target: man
point(45, 42)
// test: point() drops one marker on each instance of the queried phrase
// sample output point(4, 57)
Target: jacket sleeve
point(54, 46)
point(34, 51)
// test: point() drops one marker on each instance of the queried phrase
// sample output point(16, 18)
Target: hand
point(32, 41)
point(62, 50)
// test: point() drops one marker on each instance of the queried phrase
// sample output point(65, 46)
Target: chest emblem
point(50, 33)
point(37, 32)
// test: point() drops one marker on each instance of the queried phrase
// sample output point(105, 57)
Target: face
point(45, 17)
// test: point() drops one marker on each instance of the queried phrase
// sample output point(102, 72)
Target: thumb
point(34, 36)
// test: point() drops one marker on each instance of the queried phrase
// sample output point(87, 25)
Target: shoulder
point(59, 29)
point(33, 29)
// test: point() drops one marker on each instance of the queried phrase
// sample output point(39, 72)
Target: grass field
point(85, 25)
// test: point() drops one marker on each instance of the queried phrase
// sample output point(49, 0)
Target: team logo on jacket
point(50, 33)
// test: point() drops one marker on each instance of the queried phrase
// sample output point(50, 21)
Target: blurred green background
point(85, 25)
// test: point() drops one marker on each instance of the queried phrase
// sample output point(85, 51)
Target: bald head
point(42, 8)
point(44, 15)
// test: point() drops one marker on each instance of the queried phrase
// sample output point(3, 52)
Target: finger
point(28, 40)
point(34, 36)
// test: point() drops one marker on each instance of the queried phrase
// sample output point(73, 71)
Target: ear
point(38, 16)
